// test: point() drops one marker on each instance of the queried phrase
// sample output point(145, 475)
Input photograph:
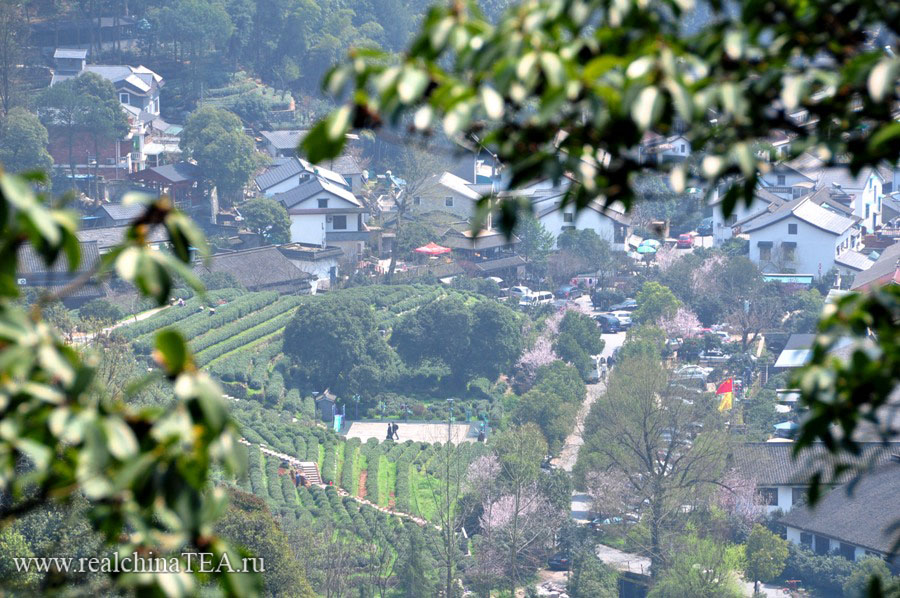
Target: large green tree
point(215, 138)
point(662, 451)
point(764, 556)
point(655, 302)
point(268, 219)
point(702, 568)
point(23, 142)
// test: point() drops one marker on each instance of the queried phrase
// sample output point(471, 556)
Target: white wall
point(815, 250)
point(285, 185)
point(308, 228)
point(555, 223)
point(722, 226)
point(793, 535)
point(870, 197)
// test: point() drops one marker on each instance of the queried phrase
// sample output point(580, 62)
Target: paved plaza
point(417, 431)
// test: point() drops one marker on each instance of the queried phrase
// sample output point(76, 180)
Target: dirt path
point(363, 476)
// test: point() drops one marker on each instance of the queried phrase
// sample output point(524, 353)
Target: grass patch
point(422, 499)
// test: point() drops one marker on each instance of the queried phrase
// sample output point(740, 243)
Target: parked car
point(608, 323)
point(536, 298)
point(714, 355)
point(519, 292)
point(568, 291)
point(706, 227)
point(624, 318)
point(627, 305)
point(685, 241)
point(559, 562)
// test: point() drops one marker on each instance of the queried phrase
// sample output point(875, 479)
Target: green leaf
point(121, 441)
point(883, 78)
point(493, 102)
point(412, 83)
point(326, 139)
point(647, 107)
point(172, 351)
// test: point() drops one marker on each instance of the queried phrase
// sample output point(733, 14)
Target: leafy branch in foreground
point(146, 472)
point(571, 86)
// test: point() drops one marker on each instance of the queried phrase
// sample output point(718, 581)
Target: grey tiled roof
point(279, 173)
point(254, 268)
point(121, 212)
point(806, 210)
point(773, 464)
point(855, 260)
point(310, 187)
point(861, 515)
point(885, 269)
point(284, 140)
point(30, 262)
point(109, 236)
point(180, 172)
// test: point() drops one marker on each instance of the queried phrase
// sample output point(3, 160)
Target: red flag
point(727, 386)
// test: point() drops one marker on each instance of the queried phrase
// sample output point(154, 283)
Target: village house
point(261, 269)
point(286, 174)
point(853, 520)
point(112, 214)
point(884, 270)
point(657, 149)
point(138, 89)
point(763, 201)
point(323, 263)
point(283, 144)
point(783, 481)
point(33, 273)
point(445, 192)
point(108, 237)
point(326, 214)
point(799, 237)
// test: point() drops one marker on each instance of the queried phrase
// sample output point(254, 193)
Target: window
point(568, 217)
point(806, 539)
point(448, 201)
point(769, 496)
point(798, 496)
point(781, 180)
point(848, 551)
point(124, 98)
point(823, 545)
point(792, 229)
point(790, 251)
point(339, 223)
point(683, 148)
point(765, 252)
point(417, 200)
point(323, 202)
point(868, 207)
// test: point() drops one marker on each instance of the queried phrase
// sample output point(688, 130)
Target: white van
point(519, 292)
point(537, 298)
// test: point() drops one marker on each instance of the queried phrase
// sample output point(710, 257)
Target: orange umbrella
point(432, 249)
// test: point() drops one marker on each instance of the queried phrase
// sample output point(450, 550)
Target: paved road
point(569, 453)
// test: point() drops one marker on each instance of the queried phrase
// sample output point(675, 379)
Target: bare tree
point(416, 167)
point(751, 316)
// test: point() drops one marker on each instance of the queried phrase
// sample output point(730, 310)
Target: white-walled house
point(326, 214)
point(445, 192)
point(863, 192)
point(287, 173)
point(786, 180)
point(610, 224)
point(782, 482)
point(763, 201)
point(799, 237)
point(656, 149)
point(853, 522)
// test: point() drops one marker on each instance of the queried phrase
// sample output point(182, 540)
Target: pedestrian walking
point(390, 432)
point(396, 436)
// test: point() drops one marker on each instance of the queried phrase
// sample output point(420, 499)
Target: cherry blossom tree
point(682, 324)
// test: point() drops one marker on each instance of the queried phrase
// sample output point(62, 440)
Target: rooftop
point(255, 268)
point(773, 463)
point(885, 270)
point(861, 515)
point(109, 236)
point(282, 170)
point(312, 186)
point(122, 212)
point(805, 210)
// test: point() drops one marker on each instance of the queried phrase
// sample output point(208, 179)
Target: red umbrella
point(433, 249)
